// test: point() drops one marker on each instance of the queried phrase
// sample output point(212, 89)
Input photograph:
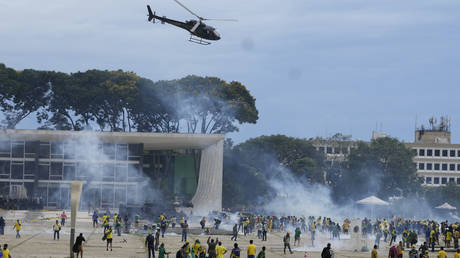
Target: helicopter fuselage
point(195, 27)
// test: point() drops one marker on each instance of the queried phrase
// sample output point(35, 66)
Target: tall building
point(437, 159)
point(117, 168)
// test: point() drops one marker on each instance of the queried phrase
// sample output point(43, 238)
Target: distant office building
point(117, 167)
point(437, 159)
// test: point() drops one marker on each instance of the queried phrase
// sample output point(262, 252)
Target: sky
point(315, 67)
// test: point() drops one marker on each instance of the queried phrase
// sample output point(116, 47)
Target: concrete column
point(208, 196)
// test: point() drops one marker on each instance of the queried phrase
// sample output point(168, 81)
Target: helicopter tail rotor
point(151, 14)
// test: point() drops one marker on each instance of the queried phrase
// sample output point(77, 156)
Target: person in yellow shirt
point(56, 229)
point(221, 250)
point(457, 254)
point(6, 251)
point(442, 253)
point(374, 253)
point(17, 226)
point(251, 249)
point(448, 238)
point(109, 237)
point(196, 248)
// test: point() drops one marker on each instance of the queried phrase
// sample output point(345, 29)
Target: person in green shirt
point(297, 236)
point(162, 251)
point(261, 253)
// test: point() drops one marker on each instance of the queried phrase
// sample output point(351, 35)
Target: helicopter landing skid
point(198, 40)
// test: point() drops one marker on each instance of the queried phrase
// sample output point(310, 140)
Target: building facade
point(117, 168)
point(437, 160)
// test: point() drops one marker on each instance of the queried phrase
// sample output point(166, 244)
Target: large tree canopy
point(249, 166)
point(123, 101)
point(383, 168)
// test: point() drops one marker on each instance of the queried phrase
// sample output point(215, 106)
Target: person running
point(374, 253)
point(109, 237)
point(261, 253)
point(234, 233)
point(150, 244)
point(326, 253)
point(251, 249)
point(162, 251)
point(287, 244)
point(63, 218)
point(56, 229)
point(17, 226)
point(79, 244)
point(236, 252)
point(220, 250)
point(6, 252)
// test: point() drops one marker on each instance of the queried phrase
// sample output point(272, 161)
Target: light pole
point(74, 203)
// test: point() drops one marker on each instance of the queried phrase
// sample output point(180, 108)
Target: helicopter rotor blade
point(233, 20)
point(190, 11)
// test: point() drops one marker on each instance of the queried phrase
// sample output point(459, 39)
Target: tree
point(260, 160)
point(22, 93)
point(384, 168)
point(206, 104)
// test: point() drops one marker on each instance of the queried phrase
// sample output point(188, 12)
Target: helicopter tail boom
point(151, 14)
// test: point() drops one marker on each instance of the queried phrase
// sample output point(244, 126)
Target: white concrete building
point(115, 165)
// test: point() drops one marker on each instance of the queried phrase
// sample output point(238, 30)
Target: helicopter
point(200, 33)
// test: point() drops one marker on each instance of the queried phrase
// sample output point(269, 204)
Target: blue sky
point(315, 67)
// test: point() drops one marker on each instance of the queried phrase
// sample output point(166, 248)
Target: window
point(31, 147)
point(452, 167)
point(44, 152)
point(69, 171)
point(429, 166)
point(29, 168)
point(17, 150)
point(451, 180)
point(458, 153)
point(437, 153)
point(452, 153)
point(329, 150)
point(108, 172)
point(122, 152)
point(458, 167)
point(56, 169)
point(17, 171)
point(121, 173)
point(444, 180)
point(109, 150)
point(444, 167)
point(444, 153)
point(429, 152)
point(428, 180)
point(436, 166)
point(421, 152)
point(436, 181)
point(458, 180)
point(421, 166)
point(43, 171)
point(69, 151)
